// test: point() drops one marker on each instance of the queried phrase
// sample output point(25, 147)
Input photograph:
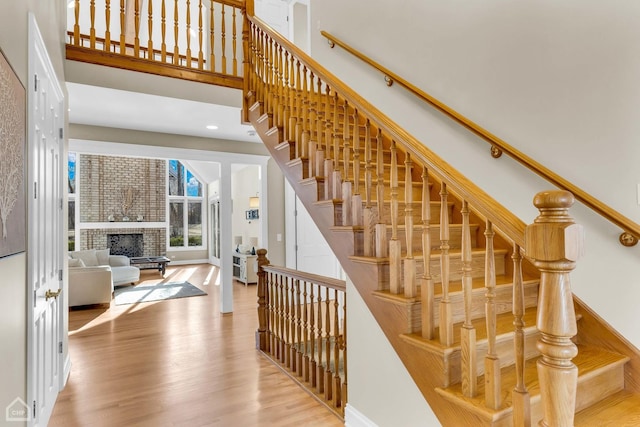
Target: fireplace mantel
point(119, 225)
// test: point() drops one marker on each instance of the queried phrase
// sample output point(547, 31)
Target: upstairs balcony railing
point(199, 40)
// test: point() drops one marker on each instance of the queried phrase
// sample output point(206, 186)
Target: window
point(185, 207)
point(71, 190)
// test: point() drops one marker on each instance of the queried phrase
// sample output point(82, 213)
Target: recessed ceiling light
point(212, 127)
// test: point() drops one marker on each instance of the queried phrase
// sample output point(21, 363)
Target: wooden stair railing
point(302, 320)
point(418, 276)
point(631, 229)
point(161, 39)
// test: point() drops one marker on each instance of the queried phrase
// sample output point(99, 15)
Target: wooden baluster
point(261, 67)
point(286, 95)
point(312, 338)
point(492, 361)
point(305, 316)
point(268, 74)
point(150, 54)
point(356, 200)
point(107, 22)
point(276, 80)
point(519, 395)
point(223, 40)
point(320, 129)
point(234, 61)
point(281, 320)
point(76, 23)
point(123, 45)
point(347, 186)
point(176, 49)
point(329, 330)
point(467, 333)
point(336, 181)
point(299, 114)
point(446, 316)
point(273, 324)
point(212, 39)
point(136, 28)
point(320, 347)
point(293, 111)
point(287, 324)
point(306, 112)
point(92, 29)
point(200, 37)
point(163, 27)
point(381, 243)
point(555, 242)
point(188, 34)
point(300, 340)
point(340, 386)
point(426, 286)
point(368, 217)
point(410, 285)
point(263, 301)
point(293, 343)
point(337, 340)
point(395, 246)
point(313, 118)
point(327, 167)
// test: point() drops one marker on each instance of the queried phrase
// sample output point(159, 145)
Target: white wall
point(244, 184)
point(557, 81)
point(379, 385)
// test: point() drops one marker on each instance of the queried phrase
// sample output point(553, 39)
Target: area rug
point(161, 291)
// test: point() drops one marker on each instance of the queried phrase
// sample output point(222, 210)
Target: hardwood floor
point(178, 362)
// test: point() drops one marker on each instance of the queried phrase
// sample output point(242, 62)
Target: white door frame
point(40, 60)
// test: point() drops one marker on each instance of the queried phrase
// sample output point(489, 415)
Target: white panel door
point(46, 121)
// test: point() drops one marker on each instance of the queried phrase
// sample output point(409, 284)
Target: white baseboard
point(355, 418)
point(67, 370)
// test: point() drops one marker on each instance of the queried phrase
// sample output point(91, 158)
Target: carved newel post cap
point(261, 252)
point(554, 235)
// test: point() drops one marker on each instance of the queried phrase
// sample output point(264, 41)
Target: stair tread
point(455, 286)
point(455, 252)
point(621, 409)
point(589, 361)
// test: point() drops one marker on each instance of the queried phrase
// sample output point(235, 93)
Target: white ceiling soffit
point(98, 106)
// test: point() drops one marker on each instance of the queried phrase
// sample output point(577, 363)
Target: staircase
point(445, 270)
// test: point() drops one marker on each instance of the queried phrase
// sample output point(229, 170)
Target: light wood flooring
point(178, 362)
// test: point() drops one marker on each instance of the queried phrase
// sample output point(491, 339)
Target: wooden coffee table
point(159, 262)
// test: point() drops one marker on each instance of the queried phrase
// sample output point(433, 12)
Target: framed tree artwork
point(12, 161)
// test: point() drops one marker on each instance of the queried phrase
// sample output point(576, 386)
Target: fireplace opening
point(130, 245)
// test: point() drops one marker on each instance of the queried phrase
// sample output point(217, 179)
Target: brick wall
point(104, 179)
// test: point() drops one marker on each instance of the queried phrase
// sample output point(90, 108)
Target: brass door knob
point(52, 294)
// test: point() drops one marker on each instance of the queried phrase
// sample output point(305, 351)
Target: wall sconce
point(254, 202)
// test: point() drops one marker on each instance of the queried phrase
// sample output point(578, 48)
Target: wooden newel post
point(554, 242)
point(263, 302)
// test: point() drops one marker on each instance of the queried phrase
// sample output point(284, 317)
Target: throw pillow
point(103, 256)
point(88, 257)
point(73, 262)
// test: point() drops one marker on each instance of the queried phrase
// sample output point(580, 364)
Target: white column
point(226, 243)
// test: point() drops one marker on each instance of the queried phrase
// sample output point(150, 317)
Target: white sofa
point(94, 273)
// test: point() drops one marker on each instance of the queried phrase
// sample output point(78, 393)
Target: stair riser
point(455, 268)
point(504, 350)
point(504, 304)
point(590, 390)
